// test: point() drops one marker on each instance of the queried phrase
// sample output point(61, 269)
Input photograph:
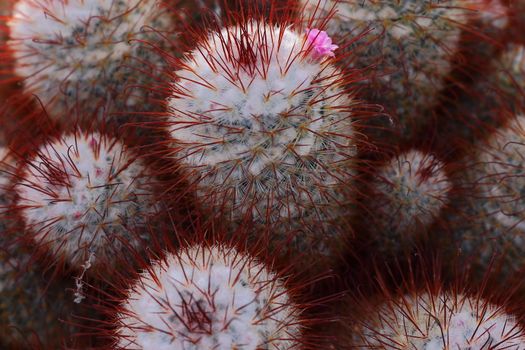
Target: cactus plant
point(208, 297)
point(408, 194)
point(83, 196)
point(427, 303)
point(79, 52)
point(264, 126)
point(440, 321)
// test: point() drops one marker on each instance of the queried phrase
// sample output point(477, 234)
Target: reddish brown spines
point(517, 21)
point(381, 313)
point(247, 46)
point(296, 285)
point(70, 80)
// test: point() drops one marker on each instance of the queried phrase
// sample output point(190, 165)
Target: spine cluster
point(85, 194)
point(265, 126)
point(81, 52)
point(208, 297)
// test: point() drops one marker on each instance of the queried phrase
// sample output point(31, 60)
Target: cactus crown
point(81, 193)
point(262, 119)
point(208, 298)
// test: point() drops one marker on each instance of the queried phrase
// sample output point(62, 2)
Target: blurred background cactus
point(79, 53)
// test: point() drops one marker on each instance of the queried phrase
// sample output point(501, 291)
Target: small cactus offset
point(79, 52)
point(208, 297)
point(408, 194)
point(263, 124)
point(83, 196)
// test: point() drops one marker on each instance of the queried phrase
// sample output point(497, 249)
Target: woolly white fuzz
point(410, 191)
point(263, 123)
point(443, 321)
point(76, 49)
point(208, 298)
point(81, 193)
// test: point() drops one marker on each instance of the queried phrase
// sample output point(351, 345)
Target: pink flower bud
point(321, 43)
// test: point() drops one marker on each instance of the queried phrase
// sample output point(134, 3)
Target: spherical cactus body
point(80, 52)
point(408, 194)
point(426, 302)
point(264, 126)
point(84, 197)
point(208, 297)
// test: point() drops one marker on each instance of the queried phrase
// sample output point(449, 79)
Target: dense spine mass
point(84, 197)
point(408, 194)
point(444, 320)
point(208, 297)
point(264, 127)
point(82, 52)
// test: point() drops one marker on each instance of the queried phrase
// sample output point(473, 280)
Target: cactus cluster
point(216, 174)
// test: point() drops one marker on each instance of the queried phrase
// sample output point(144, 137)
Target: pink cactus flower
point(321, 43)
